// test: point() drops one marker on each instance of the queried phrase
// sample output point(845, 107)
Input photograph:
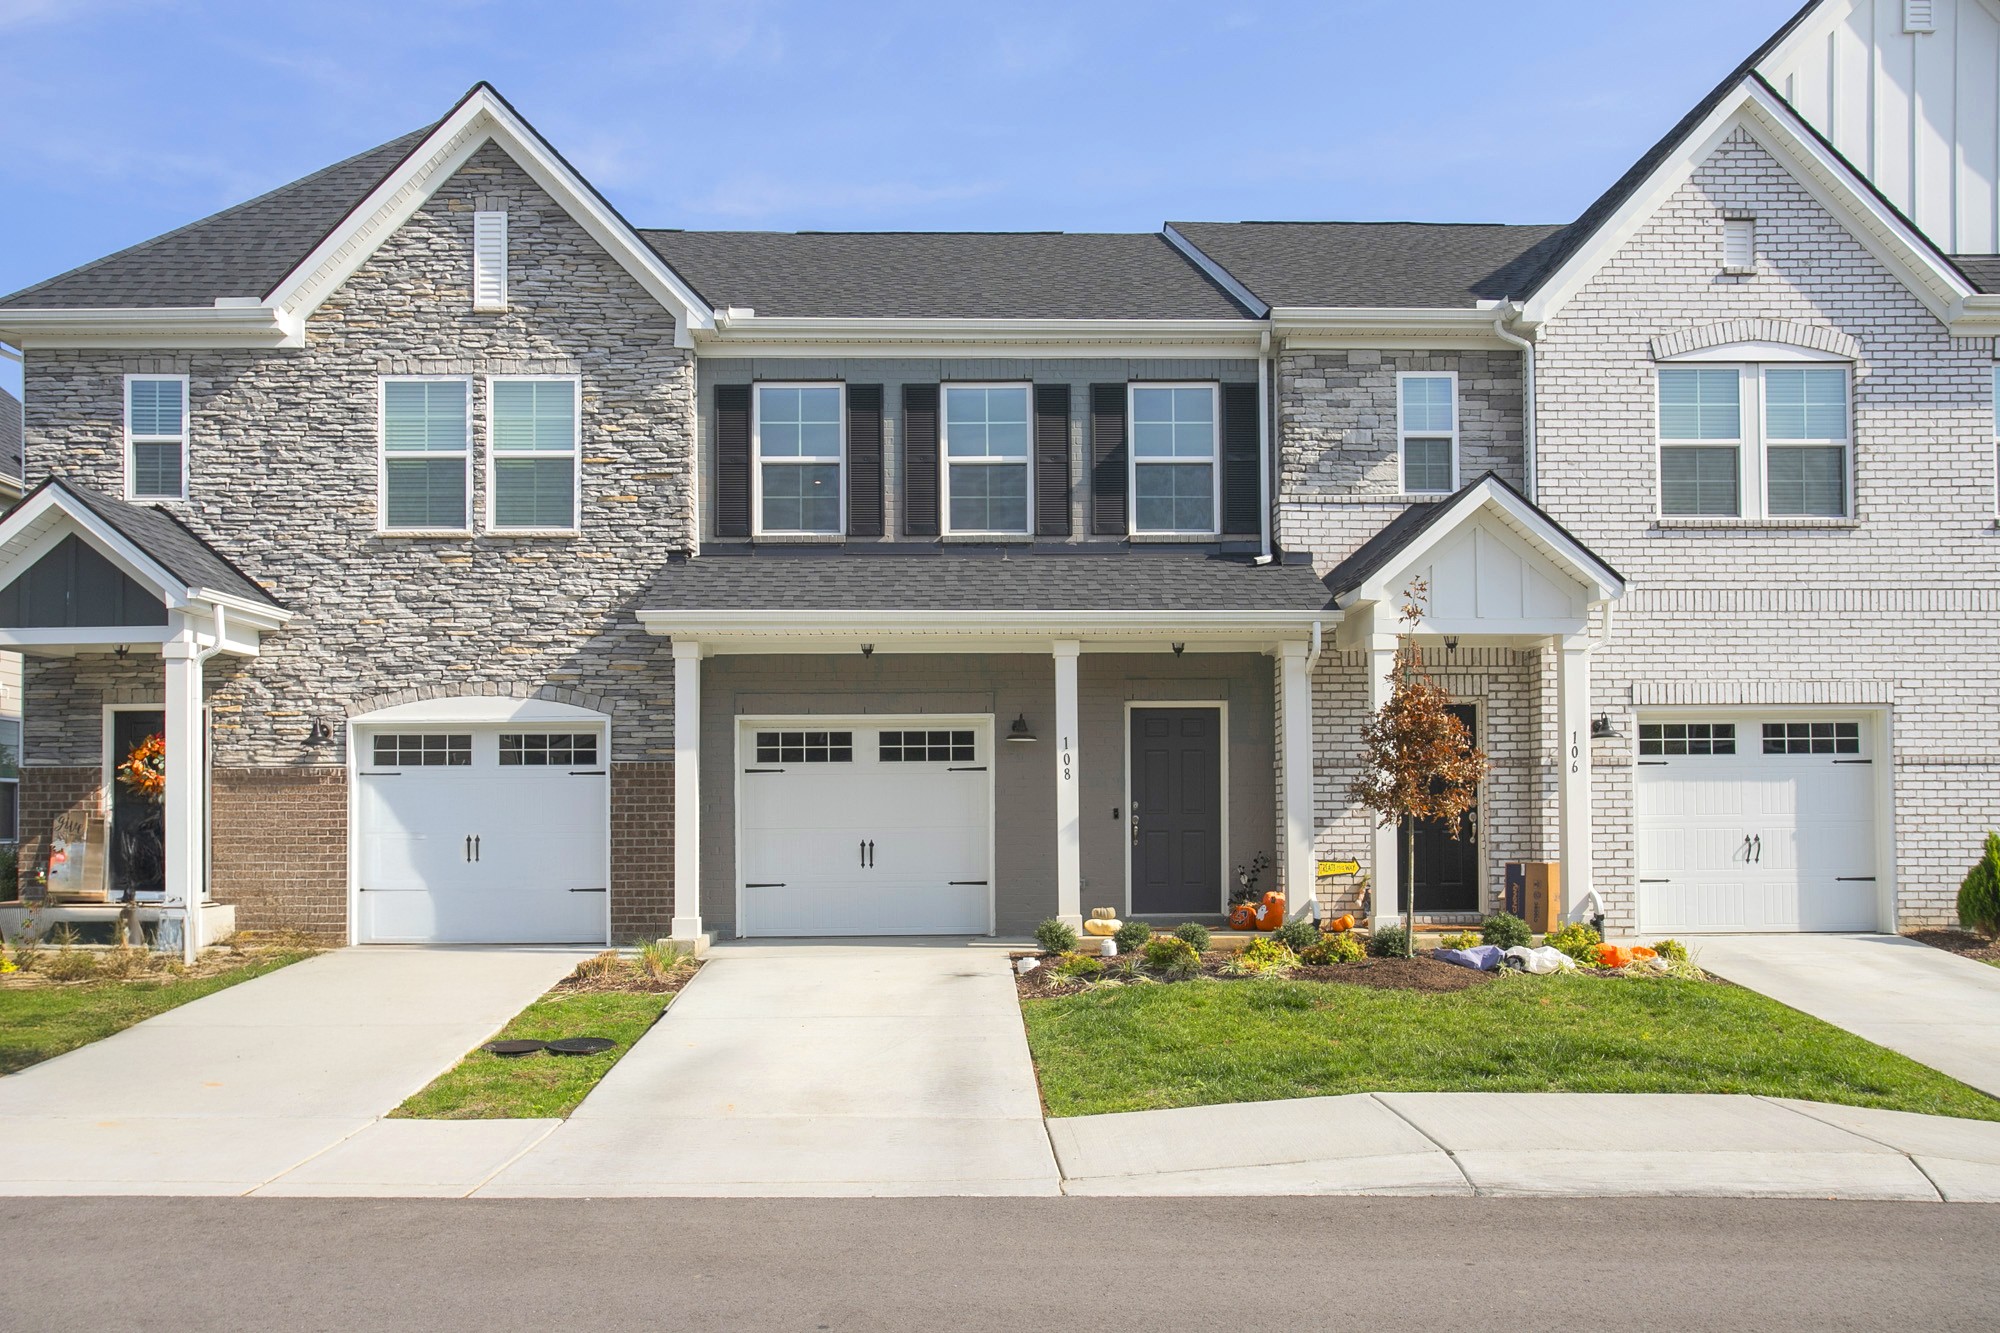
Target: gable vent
point(1739, 245)
point(489, 261)
point(1919, 15)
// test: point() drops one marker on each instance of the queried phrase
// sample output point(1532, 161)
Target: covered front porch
point(84, 576)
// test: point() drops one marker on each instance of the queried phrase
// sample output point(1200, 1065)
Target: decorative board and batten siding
point(1909, 92)
point(1892, 608)
point(1077, 451)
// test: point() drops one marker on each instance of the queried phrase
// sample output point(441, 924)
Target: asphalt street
point(1014, 1264)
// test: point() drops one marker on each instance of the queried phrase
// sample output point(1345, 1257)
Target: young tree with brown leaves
point(1417, 760)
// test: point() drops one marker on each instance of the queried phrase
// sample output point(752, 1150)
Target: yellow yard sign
point(1339, 868)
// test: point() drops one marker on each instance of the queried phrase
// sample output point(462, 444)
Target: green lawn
point(492, 1087)
point(1196, 1043)
point(38, 1023)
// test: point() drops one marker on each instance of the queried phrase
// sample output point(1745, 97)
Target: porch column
point(1388, 840)
point(181, 658)
point(1069, 823)
point(687, 790)
point(1295, 757)
point(1573, 733)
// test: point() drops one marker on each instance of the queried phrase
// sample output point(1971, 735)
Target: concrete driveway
point(860, 1068)
point(235, 1089)
point(1935, 1007)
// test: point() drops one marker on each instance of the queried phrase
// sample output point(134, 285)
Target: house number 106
point(1574, 751)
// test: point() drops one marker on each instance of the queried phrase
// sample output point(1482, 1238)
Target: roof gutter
point(739, 333)
point(1179, 623)
point(220, 325)
point(1501, 331)
point(1310, 328)
point(1976, 316)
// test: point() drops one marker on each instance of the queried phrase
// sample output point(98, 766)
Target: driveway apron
point(824, 1068)
point(232, 1090)
point(1935, 1007)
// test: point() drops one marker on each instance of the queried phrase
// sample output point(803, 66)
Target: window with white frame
point(532, 454)
point(799, 454)
point(156, 437)
point(1427, 432)
point(10, 781)
point(426, 454)
point(1754, 441)
point(1174, 445)
point(986, 478)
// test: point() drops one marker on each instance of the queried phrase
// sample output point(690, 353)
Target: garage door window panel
point(805, 747)
point(920, 747)
point(426, 455)
point(1812, 738)
point(1687, 738)
point(423, 750)
point(799, 458)
point(533, 453)
point(534, 750)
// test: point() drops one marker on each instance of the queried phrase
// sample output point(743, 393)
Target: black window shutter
point(732, 460)
point(864, 460)
point(1107, 460)
point(1239, 459)
point(1052, 460)
point(920, 460)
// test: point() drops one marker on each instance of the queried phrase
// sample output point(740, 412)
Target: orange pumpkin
point(1243, 916)
point(1341, 923)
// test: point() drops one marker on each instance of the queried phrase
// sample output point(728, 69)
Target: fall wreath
point(145, 768)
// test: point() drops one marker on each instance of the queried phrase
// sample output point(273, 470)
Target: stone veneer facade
point(283, 476)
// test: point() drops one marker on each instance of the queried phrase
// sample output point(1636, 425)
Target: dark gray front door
point(1176, 814)
point(1447, 868)
point(138, 849)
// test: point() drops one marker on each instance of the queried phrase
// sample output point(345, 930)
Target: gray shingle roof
point(167, 541)
point(945, 275)
point(1984, 270)
point(937, 580)
point(242, 251)
point(1374, 264)
point(10, 434)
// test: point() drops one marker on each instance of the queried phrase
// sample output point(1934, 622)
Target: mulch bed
point(1418, 974)
point(1961, 942)
point(612, 971)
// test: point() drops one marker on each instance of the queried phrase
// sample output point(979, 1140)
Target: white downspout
point(1268, 460)
point(1505, 335)
point(1312, 653)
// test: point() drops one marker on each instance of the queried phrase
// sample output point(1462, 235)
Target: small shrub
point(125, 962)
point(1979, 895)
point(1465, 939)
point(1331, 949)
point(1195, 934)
point(1133, 936)
point(1389, 942)
point(1267, 955)
point(1506, 931)
point(1297, 934)
point(1578, 941)
point(1056, 936)
point(1173, 956)
point(597, 968)
point(659, 958)
point(1672, 950)
point(1080, 967)
point(70, 965)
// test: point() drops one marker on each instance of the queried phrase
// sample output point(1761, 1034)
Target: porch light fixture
point(122, 651)
point(1018, 734)
point(1602, 727)
point(1179, 648)
point(319, 733)
point(868, 650)
point(1451, 643)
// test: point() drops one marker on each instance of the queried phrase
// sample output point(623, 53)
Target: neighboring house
point(550, 579)
point(10, 663)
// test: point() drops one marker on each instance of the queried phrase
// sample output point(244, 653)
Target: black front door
point(1447, 868)
point(137, 856)
point(1176, 814)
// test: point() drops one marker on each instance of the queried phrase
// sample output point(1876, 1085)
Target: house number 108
point(1065, 759)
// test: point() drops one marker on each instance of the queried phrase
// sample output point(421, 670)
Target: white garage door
point(864, 827)
point(1756, 824)
point(492, 835)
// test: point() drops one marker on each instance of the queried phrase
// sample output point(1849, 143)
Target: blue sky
point(122, 120)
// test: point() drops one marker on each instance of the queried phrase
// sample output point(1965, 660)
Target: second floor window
point(798, 430)
point(1427, 422)
point(532, 455)
point(1174, 471)
point(986, 457)
point(156, 437)
point(426, 455)
point(1754, 441)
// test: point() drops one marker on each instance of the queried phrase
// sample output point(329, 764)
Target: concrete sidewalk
point(240, 1087)
point(1604, 1144)
point(1935, 1007)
